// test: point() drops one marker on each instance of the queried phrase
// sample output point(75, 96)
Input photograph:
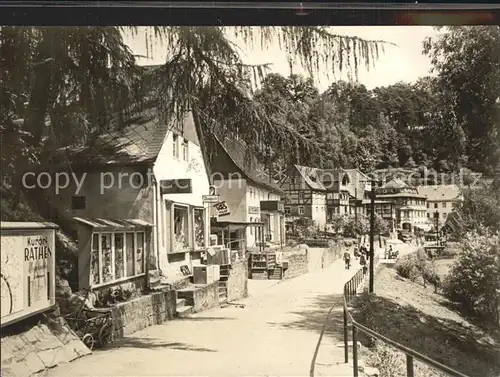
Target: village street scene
point(242, 201)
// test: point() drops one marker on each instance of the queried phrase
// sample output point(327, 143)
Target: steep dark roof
point(311, 176)
point(243, 161)
point(138, 142)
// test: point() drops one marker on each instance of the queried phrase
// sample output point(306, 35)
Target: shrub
point(417, 266)
point(407, 267)
point(473, 278)
point(354, 227)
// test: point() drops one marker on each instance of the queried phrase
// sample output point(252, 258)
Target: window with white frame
point(185, 150)
point(444, 205)
point(287, 210)
point(175, 145)
point(181, 228)
point(251, 192)
point(199, 228)
point(116, 256)
point(301, 210)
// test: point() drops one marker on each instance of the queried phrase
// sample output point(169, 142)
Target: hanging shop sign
point(222, 209)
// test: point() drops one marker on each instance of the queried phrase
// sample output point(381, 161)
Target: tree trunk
point(40, 95)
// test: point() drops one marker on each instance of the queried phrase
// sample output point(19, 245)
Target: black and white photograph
point(231, 201)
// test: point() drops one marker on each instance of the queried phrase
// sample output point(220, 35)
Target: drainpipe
point(157, 198)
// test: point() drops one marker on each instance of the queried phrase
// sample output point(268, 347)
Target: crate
point(203, 275)
point(259, 276)
point(276, 274)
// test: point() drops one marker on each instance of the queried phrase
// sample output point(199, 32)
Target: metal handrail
point(350, 289)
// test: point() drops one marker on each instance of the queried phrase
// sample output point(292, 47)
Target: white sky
point(402, 63)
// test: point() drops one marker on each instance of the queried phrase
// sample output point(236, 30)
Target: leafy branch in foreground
point(204, 73)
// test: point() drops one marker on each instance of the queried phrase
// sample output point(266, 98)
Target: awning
point(114, 225)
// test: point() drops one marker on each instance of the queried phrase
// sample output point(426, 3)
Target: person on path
point(362, 262)
point(356, 253)
point(347, 260)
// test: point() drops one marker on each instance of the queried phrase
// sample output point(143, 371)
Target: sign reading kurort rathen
point(211, 198)
point(27, 271)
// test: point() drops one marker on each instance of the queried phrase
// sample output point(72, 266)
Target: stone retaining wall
point(201, 297)
point(297, 264)
point(237, 283)
point(39, 348)
point(144, 311)
point(333, 253)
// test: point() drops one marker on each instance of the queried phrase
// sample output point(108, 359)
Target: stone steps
point(222, 293)
point(184, 311)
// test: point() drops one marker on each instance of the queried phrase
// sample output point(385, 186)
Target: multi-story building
point(345, 191)
point(409, 206)
point(255, 210)
point(336, 183)
point(386, 209)
point(441, 200)
point(305, 194)
point(359, 183)
point(149, 171)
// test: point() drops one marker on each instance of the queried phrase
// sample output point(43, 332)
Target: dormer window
point(185, 150)
point(175, 145)
point(345, 180)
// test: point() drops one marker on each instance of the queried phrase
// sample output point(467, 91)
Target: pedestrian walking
point(362, 262)
point(347, 260)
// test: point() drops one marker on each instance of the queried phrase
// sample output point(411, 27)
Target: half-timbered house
point(305, 194)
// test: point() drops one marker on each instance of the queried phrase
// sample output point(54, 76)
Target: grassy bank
point(425, 321)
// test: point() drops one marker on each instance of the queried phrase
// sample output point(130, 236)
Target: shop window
point(116, 256)
point(106, 255)
point(199, 227)
point(139, 256)
point(130, 247)
point(181, 236)
point(94, 260)
point(119, 260)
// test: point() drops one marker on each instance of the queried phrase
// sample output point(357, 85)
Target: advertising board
point(27, 280)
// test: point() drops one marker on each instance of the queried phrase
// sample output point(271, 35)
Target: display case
point(112, 251)
point(261, 264)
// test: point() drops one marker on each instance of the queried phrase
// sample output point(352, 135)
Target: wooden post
point(354, 351)
point(346, 337)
